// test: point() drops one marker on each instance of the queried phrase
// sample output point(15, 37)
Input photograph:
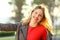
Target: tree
point(18, 4)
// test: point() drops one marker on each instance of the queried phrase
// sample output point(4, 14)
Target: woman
point(35, 26)
point(32, 28)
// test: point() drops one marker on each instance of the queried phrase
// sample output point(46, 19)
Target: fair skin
point(36, 17)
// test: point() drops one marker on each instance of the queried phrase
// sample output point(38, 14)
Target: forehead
point(38, 10)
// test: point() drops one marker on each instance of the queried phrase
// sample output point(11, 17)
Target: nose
point(36, 15)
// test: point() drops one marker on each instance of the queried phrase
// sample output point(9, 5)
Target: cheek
point(33, 15)
point(41, 18)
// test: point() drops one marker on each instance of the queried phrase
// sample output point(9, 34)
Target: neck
point(32, 24)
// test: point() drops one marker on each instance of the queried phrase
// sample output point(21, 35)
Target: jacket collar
point(24, 30)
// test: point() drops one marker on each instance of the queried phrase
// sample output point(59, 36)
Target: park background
point(11, 11)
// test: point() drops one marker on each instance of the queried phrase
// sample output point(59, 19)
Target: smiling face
point(37, 15)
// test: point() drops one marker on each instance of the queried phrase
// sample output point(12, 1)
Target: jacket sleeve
point(8, 27)
point(49, 35)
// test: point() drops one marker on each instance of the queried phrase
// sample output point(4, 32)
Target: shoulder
point(21, 25)
point(43, 29)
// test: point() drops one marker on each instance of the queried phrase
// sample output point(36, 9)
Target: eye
point(35, 12)
point(40, 15)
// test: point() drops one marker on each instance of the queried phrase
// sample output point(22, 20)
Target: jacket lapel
point(24, 30)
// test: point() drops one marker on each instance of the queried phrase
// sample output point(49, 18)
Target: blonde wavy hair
point(46, 21)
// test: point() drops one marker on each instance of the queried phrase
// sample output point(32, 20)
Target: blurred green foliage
point(3, 33)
